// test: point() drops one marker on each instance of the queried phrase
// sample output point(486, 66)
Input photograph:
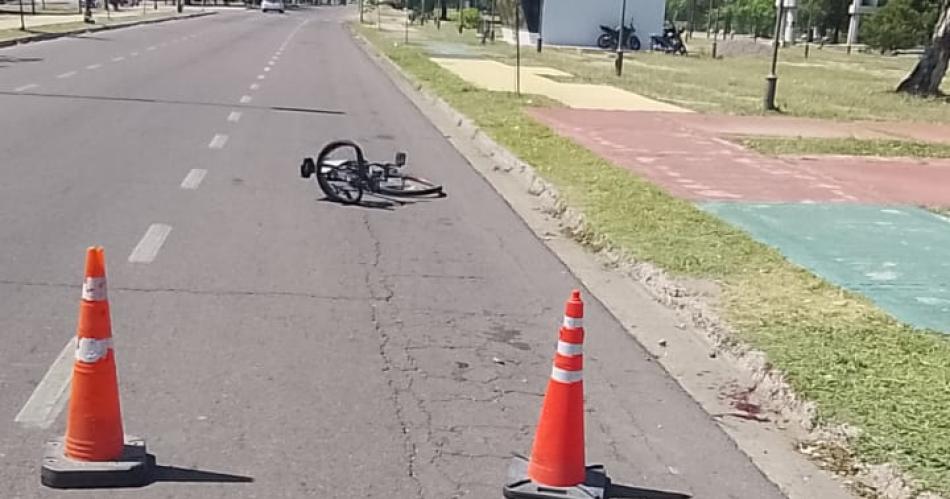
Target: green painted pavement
point(897, 256)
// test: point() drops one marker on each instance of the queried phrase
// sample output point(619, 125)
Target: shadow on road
point(176, 474)
point(6, 59)
point(145, 100)
point(615, 491)
point(386, 203)
point(380, 203)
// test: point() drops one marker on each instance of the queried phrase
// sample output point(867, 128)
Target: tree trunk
point(925, 78)
point(445, 10)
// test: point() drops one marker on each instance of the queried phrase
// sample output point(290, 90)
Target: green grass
point(853, 147)
point(860, 366)
point(829, 84)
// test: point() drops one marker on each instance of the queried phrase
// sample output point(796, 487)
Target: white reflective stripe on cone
point(573, 322)
point(90, 350)
point(558, 374)
point(94, 289)
point(569, 349)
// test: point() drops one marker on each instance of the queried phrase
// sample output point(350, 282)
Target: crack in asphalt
point(200, 292)
point(388, 364)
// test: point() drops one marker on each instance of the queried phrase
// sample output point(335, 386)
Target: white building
point(577, 22)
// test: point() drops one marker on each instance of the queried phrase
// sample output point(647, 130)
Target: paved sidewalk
point(127, 13)
point(499, 77)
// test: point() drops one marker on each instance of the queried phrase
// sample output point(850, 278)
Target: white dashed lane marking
point(245, 99)
point(193, 179)
point(94, 66)
point(66, 75)
point(118, 59)
point(24, 88)
point(50, 395)
point(234, 117)
point(218, 141)
point(152, 241)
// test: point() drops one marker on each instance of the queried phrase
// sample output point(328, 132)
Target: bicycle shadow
point(383, 202)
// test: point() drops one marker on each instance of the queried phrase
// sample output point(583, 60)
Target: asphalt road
point(321, 350)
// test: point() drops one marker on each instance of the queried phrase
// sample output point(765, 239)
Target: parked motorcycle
point(609, 36)
point(671, 42)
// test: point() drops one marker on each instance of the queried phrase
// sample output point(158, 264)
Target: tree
point(900, 24)
point(752, 16)
point(926, 76)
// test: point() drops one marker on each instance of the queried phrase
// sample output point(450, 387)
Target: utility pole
point(518, 48)
point(623, 15)
point(716, 34)
point(22, 21)
point(771, 81)
point(692, 9)
point(540, 24)
point(361, 12)
point(179, 6)
point(492, 21)
point(460, 17)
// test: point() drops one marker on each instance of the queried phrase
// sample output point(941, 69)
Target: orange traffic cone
point(94, 427)
point(94, 452)
point(556, 467)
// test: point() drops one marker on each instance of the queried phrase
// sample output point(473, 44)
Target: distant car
point(268, 5)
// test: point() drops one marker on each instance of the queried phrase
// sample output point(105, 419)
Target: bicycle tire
point(411, 186)
point(325, 174)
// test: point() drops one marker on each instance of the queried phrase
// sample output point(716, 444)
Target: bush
point(470, 18)
point(900, 24)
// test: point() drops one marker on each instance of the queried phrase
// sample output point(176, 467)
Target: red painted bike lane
point(685, 156)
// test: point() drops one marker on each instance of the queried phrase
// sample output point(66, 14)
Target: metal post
point(620, 38)
point(155, 5)
point(22, 21)
point(407, 23)
point(33, 6)
point(492, 22)
point(518, 47)
point(361, 12)
point(692, 9)
point(179, 6)
point(379, 16)
point(460, 17)
point(540, 24)
point(771, 80)
point(715, 42)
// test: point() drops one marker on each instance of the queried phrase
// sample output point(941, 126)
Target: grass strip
point(862, 367)
point(851, 147)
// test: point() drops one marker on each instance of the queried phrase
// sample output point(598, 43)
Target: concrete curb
point(52, 36)
point(783, 465)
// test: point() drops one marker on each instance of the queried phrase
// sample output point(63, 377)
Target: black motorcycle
point(671, 42)
point(608, 39)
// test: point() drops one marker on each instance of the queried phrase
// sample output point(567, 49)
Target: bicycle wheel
point(408, 185)
point(338, 172)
